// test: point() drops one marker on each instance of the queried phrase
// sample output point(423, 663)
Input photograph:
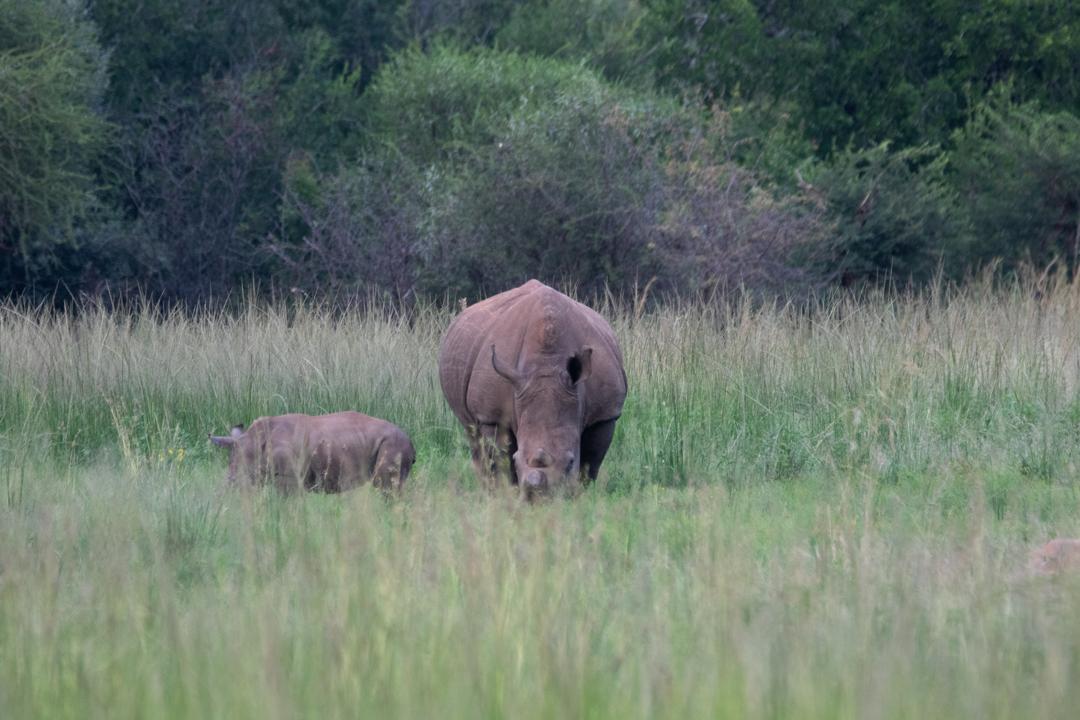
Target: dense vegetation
point(418, 148)
point(823, 517)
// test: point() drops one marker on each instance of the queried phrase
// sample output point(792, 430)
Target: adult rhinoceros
point(536, 377)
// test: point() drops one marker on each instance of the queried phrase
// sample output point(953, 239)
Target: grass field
point(804, 515)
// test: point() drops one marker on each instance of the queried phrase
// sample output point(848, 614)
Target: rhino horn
point(506, 371)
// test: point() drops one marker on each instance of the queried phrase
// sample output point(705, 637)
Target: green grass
point(803, 515)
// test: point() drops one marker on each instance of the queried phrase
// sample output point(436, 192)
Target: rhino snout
point(536, 480)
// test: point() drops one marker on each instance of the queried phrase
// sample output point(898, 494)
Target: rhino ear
point(580, 366)
point(230, 439)
point(506, 371)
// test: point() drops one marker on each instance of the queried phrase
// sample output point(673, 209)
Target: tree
point(52, 75)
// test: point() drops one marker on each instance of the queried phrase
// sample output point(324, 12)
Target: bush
point(356, 232)
point(895, 213)
point(464, 21)
point(606, 34)
point(505, 168)
point(568, 192)
point(1018, 170)
point(445, 103)
point(612, 195)
point(52, 75)
point(726, 228)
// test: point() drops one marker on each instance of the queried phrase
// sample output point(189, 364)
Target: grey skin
point(326, 453)
point(537, 380)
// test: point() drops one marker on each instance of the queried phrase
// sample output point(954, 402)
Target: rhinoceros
point(1059, 555)
point(328, 453)
point(537, 380)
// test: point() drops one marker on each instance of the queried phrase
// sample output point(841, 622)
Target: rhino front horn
point(504, 370)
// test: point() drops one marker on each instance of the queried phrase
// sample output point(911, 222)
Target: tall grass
point(804, 514)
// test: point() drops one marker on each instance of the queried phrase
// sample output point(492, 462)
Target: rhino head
point(238, 448)
point(549, 402)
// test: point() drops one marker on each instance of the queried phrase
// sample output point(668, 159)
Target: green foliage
point(690, 117)
point(861, 72)
point(317, 105)
point(1030, 45)
point(470, 22)
point(606, 34)
point(355, 233)
point(442, 104)
point(572, 190)
point(164, 49)
point(201, 177)
point(215, 99)
point(52, 74)
point(866, 72)
point(1017, 168)
point(896, 215)
point(765, 137)
point(714, 47)
point(507, 167)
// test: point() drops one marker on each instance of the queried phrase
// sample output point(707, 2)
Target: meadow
point(821, 513)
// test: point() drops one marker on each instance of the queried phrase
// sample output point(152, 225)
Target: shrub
point(895, 214)
point(603, 33)
point(546, 171)
point(465, 21)
point(356, 232)
point(725, 228)
point(199, 184)
point(567, 192)
point(445, 103)
point(1018, 169)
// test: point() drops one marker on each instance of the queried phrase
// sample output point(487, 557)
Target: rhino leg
point(346, 471)
point(477, 452)
point(392, 467)
point(289, 474)
point(595, 442)
point(492, 448)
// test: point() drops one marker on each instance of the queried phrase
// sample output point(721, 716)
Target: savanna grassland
point(821, 514)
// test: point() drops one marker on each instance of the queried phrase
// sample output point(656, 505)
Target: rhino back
point(340, 450)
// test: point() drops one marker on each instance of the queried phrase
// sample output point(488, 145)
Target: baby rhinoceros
point(1057, 556)
point(327, 453)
